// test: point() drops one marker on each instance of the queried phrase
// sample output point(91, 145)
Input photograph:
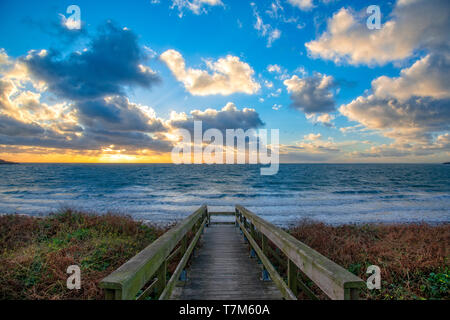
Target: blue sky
point(205, 31)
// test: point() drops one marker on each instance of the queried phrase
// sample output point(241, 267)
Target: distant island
point(446, 163)
point(6, 162)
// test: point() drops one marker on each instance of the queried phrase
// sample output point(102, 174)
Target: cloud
point(410, 108)
point(324, 119)
point(113, 60)
point(92, 111)
point(229, 117)
point(195, 6)
point(312, 149)
point(230, 75)
point(59, 28)
point(312, 136)
point(12, 127)
point(274, 68)
point(312, 94)
point(438, 146)
point(83, 125)
point(302, 4)
point(265, 30)
point(277, 107)
point(413, 26)
point(118, 114)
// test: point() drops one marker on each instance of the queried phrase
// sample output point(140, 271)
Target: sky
point(118, 88)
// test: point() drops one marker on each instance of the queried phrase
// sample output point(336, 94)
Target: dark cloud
point(94, 80)
point(12, 127)
point(230, 117)
point(312, 94)
point(56, 29)
point(118, 114)
point(91, 138)
point(113, 60)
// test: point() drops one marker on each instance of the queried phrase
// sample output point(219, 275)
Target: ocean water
point(163, 193)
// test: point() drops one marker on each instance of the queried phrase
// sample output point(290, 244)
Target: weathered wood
point(277, 256)
point(223, 271)
point(109, 294)
point(292, 276)
point(135, 273)
point(161, 275)
point(148, 291)
point(223, 222)
point(264, 244)
point(306, 289)
point(176, 275)
point(278, 281)
point(222, 213)
point(175, 253)
point(327, 275)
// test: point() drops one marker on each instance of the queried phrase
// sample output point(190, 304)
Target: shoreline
point(282, 226)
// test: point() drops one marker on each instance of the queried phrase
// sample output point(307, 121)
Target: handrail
point(126, 282)
point(335, 281)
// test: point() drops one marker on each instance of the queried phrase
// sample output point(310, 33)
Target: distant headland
point(6, 162)
point(446, 163)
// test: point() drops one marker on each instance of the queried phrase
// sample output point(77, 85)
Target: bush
point(35, 252)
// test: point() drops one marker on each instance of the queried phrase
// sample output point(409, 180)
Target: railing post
point(161, 275)
point(252, 230)
point(110, 294)
point(264, 244)
point(292, 277)
point(183, 245)
point(351, 294)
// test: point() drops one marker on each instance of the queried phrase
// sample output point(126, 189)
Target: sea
point(166, 193)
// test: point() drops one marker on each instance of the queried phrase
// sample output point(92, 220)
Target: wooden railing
point(146, 273)
point(336, 282)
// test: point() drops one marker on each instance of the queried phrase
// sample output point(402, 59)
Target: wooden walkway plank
point(223, 270)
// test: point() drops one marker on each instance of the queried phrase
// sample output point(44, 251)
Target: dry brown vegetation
point(35, 252)
point(414, 258)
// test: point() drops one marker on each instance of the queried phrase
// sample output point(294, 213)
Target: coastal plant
point(413, 257)
point(35, 252)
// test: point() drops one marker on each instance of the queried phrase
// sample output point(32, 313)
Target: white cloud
point(312, 136)
point(265, 30)
point(410, 108)
point(196, 6)
point(274, 68)
point(277, 107)
point(268, 84)
point(229, 75)
point(414, 25)
point(302, 4)
point(326, 119)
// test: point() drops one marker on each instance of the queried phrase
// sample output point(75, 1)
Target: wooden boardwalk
point(223, 270)
point(221, 267)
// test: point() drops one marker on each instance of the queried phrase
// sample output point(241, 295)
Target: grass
point(414, 258)
point(35, 252)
